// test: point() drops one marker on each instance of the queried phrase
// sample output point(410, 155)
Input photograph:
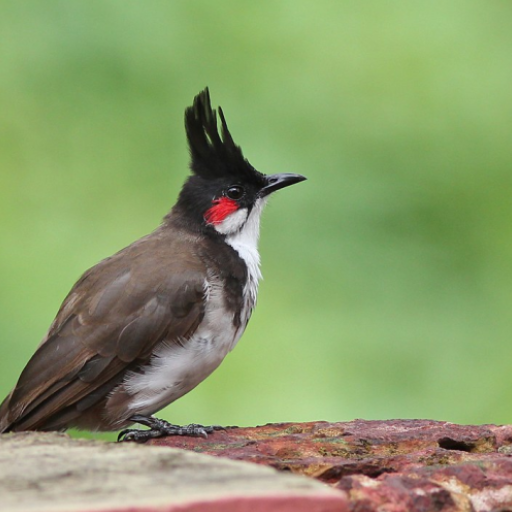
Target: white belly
point(177, 368)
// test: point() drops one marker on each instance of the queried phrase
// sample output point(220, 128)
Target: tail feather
point(5, 422)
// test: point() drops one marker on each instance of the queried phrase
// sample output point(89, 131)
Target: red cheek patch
point(221, 208)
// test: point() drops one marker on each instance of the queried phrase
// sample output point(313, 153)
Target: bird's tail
point(4, 414)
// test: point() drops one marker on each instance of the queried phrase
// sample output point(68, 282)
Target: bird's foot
point(162, 428)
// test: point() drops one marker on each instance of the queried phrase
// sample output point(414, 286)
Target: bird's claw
point(162, 428)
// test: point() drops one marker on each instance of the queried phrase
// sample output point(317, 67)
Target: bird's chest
point(178, 366)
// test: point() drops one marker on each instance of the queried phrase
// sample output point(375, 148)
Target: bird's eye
point(235, 192)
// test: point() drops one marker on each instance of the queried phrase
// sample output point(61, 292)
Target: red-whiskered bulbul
point(147, 325)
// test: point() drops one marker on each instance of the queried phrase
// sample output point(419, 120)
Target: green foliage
point(388, 275)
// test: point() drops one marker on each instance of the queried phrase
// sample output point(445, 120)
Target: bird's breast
point(178, 366)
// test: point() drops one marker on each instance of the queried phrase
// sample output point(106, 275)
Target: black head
point(222, 180)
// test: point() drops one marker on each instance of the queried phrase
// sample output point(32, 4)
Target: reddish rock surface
point(395, 465)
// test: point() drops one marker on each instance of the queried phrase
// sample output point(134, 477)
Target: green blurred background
point(388, 275)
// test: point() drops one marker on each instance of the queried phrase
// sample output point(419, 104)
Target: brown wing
point(109, 323)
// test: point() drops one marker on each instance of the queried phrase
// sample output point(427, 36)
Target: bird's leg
point(162, 428)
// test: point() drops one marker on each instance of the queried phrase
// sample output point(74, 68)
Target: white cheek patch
point(233, 222)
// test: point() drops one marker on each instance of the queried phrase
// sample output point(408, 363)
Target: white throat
point(242, 230)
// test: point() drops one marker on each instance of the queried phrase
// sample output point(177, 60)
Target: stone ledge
point(48, 472)
point(399, 465)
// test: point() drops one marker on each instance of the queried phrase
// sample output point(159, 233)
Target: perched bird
point(147, 325)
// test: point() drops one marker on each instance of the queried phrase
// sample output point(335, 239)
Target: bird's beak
point(277, 181)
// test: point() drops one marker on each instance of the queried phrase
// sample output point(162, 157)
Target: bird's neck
point(245, 243)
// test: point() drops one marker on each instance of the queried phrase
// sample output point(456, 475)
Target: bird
point(145, 326)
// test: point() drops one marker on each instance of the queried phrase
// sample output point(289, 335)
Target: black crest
point(213, 155)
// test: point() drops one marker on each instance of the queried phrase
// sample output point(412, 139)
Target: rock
point(46, 472)
point(398, 465)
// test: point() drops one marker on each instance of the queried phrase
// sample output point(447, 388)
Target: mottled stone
point(47, 472)
point(395, 465)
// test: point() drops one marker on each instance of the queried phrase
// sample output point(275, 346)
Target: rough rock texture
point(50, 472)
point(396, 465)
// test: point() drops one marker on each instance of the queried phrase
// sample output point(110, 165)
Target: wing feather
point(110, 322)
